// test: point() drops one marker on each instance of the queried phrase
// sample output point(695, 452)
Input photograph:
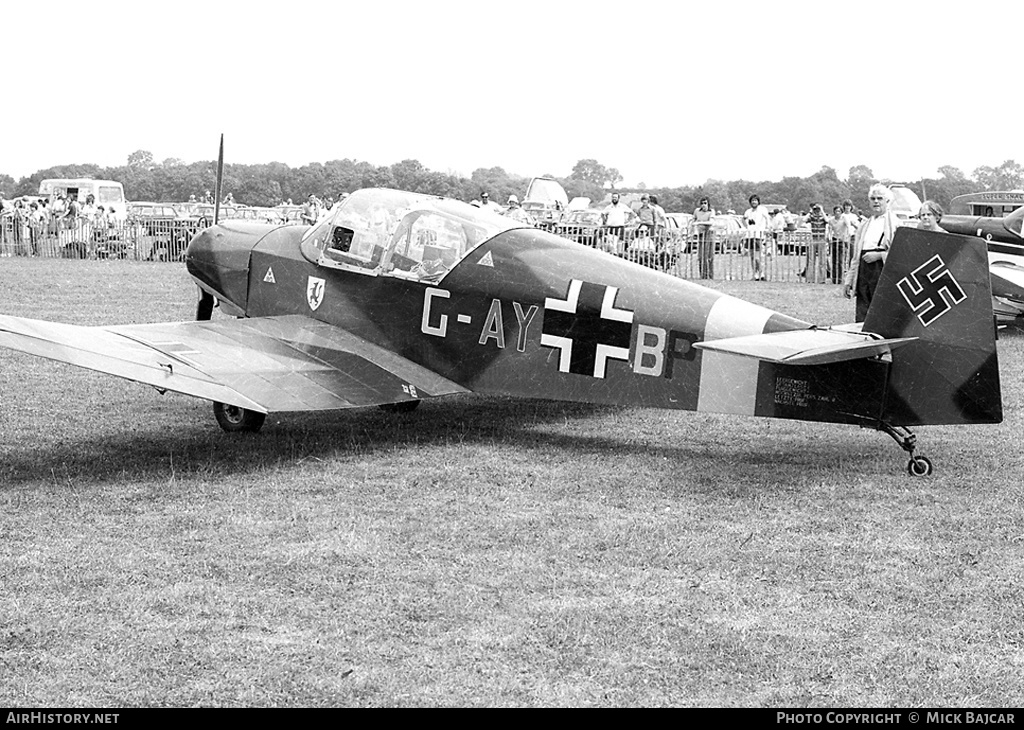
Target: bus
point(991, 204)
point(107, 193)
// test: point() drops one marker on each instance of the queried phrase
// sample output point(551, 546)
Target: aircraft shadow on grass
point(159, 456)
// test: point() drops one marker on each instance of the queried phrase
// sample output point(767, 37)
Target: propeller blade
point(220, 180)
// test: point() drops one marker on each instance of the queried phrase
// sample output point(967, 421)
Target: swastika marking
point(931, 290)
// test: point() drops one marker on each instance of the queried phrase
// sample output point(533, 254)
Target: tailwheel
point(234, 419)
point(919, 466)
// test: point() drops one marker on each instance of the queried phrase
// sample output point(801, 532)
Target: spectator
point(647, 217)
point(757, 219)
point(661, 227)
point(614, 219)
point(929, 216)
point(659, 213)
point(643, 246)
point(486, 204)
point(843, 225)
point(100, 222)
point(71, 212)
point(816, 263)
point(18, 217)
point(36, 222)
point(515, 211)
point(776, 226)
point(702, 219)
point(310, 210)
point(84, 224)
point(57, 211)
point(870, 248)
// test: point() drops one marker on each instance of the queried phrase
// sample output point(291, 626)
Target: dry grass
point(487, 551)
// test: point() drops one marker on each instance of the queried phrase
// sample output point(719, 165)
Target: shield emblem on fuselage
point(314, 292)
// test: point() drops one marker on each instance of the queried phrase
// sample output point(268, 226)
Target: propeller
point(204, 310)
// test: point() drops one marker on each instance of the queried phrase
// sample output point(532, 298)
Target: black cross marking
point(586, 328)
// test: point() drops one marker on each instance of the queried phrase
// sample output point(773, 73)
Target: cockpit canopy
point(394, 233)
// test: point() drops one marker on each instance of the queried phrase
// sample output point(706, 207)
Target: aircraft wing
point(806, 347)
point(265, 364)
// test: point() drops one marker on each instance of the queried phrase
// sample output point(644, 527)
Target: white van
point(107, 193)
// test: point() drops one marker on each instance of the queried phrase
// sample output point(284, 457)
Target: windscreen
point(402, 234)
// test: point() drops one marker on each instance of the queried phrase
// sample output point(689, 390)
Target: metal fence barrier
point(158, 240)
point(787, 256)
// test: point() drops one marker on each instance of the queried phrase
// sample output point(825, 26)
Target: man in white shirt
point(614, 218)
point(870, 248)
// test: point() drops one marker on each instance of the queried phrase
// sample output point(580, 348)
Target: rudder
point(936, 287)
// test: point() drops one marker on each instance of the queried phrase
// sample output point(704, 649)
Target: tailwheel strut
point(918, 466)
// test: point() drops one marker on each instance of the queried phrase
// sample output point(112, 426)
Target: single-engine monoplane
point(396, 297)
point(1005, 240)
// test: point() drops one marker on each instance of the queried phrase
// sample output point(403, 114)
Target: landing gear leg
point(918, 466)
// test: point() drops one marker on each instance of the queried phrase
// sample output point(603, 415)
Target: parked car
point(152, 213)
point(258, 214)
point(204, 212)
point(162, 233)
point(583, 226)
point(728, 231)
point(290, 213)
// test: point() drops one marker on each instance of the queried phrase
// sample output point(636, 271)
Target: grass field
point(487, 552)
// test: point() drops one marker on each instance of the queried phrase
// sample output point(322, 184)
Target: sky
point(668, 93)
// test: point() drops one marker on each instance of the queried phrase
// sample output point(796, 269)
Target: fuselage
point(523, 312)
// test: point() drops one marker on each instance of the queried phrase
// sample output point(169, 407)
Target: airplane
point(396, 297)
point(1005, 239)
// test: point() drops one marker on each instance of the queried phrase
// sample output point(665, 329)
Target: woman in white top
point(757, 219)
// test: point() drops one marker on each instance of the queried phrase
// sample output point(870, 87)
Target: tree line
point(273, 183)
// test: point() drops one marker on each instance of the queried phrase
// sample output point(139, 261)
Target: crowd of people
point(26, 224)
point(848, 247)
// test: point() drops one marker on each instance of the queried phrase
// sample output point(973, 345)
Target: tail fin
point(935, 286)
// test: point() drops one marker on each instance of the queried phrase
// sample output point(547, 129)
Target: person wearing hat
point(516, 212)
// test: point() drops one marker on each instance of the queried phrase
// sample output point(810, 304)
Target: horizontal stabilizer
point(1007, 280)
point(806, 347)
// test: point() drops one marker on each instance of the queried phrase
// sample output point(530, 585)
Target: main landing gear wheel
point(238, 420)
point(405, 406)
point(919, 466)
